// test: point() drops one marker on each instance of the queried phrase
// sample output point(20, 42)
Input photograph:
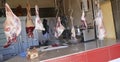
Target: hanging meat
point(59, 28)
point(38, 22)
point(12, 26)
point(83, 21)
point(73, 34)
point(100, 26)
point(99, 22)
point(29, 23)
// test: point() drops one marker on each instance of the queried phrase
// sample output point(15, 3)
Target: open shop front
point(50, 28)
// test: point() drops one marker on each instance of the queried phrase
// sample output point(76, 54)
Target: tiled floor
point(74, 48)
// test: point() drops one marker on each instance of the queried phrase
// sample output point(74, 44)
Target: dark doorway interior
point(116, 16)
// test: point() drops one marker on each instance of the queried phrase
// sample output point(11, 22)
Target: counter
point(74, 48)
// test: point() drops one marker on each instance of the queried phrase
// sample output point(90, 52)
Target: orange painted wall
point(108, 19)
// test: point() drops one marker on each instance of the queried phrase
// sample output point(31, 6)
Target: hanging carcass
point(83, 21)
point(59, 28)
point(38, 22)
point(29, 23)
point(99, 22)
point(73, 34)
point(100, 26)
point(12, 26)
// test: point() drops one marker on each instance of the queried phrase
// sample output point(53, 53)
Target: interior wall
point(40, 3)
point(108, 19)
point(76, 11)
point(73, 4)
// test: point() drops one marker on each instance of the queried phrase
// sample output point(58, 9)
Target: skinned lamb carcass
point(73, 34)
point(38, 22)
point(83, 21)
point(100, 26)
point(12, 26)
point(59, 28)
point(29, 23)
